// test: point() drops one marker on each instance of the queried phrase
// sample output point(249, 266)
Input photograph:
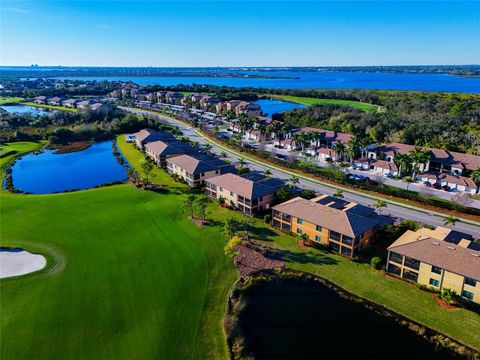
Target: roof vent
point(450, 247)
point(435, 243)
point(476, 255)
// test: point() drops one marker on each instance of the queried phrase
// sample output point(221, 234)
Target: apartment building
point(343, 226)
point(250, 193)
point(159, 150)
point(145, 136)
point(196, 168)
point(440, 259)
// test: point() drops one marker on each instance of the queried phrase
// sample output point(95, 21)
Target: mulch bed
point(443, 304)
point(198, 222)
point(249, 261)
point(301, 245)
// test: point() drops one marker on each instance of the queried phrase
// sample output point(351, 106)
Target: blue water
point(326, 80)
point(270, 107)
point(47, 172)
point(23, 109)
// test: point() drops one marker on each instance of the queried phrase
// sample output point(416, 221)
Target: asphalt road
point(396, 210)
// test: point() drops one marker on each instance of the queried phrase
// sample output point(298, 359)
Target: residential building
point(100, 107)
point(343, 226)
point(251, 110)
point(40, 99)
point(250, 193)
point(460, 183)
point(173, 97)
point(232, 104)
point(196, 168)
point(206, 101)
point(159, 151)
point(55, 101)
point(440, 259)
point(84, 105)
point(70, 103)
point(148, 135)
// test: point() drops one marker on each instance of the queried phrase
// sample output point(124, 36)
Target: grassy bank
point(141, 281)
point(5, 100)
point(44, 106)
point(311, 101)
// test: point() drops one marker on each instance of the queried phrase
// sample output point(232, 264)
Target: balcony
point(412, 263)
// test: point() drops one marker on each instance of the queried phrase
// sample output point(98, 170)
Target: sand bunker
point(14, 262)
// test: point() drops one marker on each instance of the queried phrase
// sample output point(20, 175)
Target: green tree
point(450, 221)
point(267, 173)
point(231, 226)
point(230, 248)
point(376, 262)
point(379, 204)
point(475, 176)
point(308, 194)
point(223, 155)
point(248, 223)
point(202, 205)
point(189, 205)
point(338, 194)
point(409, 181)
point(147, 168)
point(294, 180)
point(283, 194)
point(303, 238)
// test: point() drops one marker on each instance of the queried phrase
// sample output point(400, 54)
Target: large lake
point(326, 80)
point(47, 172)
point(270, 107)
point(288, 319)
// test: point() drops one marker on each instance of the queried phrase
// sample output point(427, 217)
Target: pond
point(24, 109)
point(289, 319)
point(270, 107)
point(47, 172)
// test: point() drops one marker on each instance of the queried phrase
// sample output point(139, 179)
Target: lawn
point(135, 279)
point(310, 101)
point(61, 108)
point(9, 100)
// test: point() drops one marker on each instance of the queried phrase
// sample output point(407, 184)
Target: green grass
point(311, 101)
point(130, 277)
point(9, 100)
point(61, 108)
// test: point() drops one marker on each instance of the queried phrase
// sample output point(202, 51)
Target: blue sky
point(248, 33)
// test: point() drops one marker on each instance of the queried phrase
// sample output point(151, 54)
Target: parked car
point(436, 186)
point(446, 188)
point(281, 156)
point(427, 183)
point(372, 182)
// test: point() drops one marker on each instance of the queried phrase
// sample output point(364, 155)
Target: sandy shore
point(14, 263)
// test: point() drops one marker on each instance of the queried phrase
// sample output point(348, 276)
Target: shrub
point(267, 219)
point(448, 296)
point(376, 262)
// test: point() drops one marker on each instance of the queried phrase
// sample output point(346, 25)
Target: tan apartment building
point(196, 168)
point(250, 193)
point(148, 135)
point(343, 226)
point(440, 259)
point(159, 151)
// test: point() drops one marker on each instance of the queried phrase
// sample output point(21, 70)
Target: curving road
point(395, 209)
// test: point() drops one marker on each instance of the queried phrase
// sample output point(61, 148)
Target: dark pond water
point(47, 172)
point(323, 80)
point(270, 107)
point(23, 109)
point(288, 319)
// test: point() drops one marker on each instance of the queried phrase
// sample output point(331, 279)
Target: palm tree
point(223, 155)
point(402, 161)
point(418, 157)
point(352, 147)
point(294, 180)
point(475, 176)
point(303, 238)
point(339, 148)
point(241, 162)
point(207, 147)
point(450, 221)
point(409, 180)
point(363, 143)
point(189, 204)
point(267, 173)
point(380, 204)
point(338, 194)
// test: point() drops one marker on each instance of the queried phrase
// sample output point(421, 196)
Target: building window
point(334, 246)
point(299, 221)
point(396, 257)
point(221, 188)
point(319, 228)
point(412, 263)
point(346, 251)
point(436, 270)
point(318, 238)
point(335, 236)
point(470, 281)
point(394, 269)
point(410, 275)
point(434, 282)
point(467, 295)
point(299, 231)
point(231, 193)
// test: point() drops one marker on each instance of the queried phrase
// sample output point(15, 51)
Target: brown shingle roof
point(344, 222)
point(433, 251)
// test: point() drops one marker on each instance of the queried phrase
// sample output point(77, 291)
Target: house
point(232, 104)
point(84, 105)
point(251, 110)
point(140, 95)
point(382, 166)
point(152, 97)
point(255, 135)
point(159, 151)
point(457, 182)
point(55, 101)
point(148, 135)
point(196, 168)
point(70, 103)
point(221, 106)
point(40, 99)
point(343, 226)
point(250, 193)
point(173, 97)
point(452, 162)
point(206, 101)
point(440, 259)
point(100, 107)
point(323, 154)
point(161, 96)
